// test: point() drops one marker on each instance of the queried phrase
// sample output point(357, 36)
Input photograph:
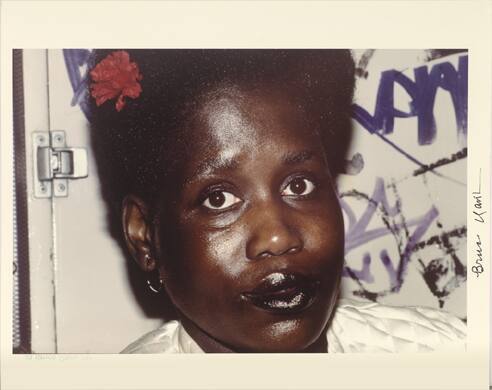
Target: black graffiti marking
point(443, 275)
point(401, 251)
point(371, 296)
point(443, 161)
point(438, 238)
point(434, 54)
point(355, 165)
point(360, 70)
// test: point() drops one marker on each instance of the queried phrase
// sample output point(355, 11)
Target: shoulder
point(372, 327)
point(169, 338)
point(157, 341)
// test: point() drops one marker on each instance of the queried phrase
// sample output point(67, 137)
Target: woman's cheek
point(324, 233)
point(225, 250)
point(210, 267)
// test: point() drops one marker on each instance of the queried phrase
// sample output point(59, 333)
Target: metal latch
point(55, 164)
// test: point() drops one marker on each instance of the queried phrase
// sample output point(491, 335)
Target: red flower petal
point(115, 76)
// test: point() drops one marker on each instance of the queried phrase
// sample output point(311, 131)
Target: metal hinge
point(55, 164)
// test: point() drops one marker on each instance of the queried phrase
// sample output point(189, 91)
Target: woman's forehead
point(244, 114)
point(247, 115)
point(232, 126)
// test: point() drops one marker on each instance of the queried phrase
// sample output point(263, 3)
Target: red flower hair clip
point(115, 76)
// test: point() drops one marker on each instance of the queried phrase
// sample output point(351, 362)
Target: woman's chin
point(288, 336)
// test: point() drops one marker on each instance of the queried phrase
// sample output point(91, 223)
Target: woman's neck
point(211, 345)
point(206, 342)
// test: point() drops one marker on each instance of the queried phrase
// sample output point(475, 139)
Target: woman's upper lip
point(281, 281)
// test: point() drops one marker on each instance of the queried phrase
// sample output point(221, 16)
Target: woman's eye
point(219, 200)
point(299, 186)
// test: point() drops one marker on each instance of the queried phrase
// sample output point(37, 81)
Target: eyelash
point(230, 197)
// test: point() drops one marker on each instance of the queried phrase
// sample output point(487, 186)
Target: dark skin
point(254, 197)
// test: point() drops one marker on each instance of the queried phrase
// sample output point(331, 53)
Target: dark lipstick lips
point(283, 293)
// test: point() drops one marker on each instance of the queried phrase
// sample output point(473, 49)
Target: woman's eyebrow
point(214, 164)
point(298, 157)
point(208, 166)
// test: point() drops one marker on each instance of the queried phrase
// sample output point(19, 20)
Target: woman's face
point(251, 250)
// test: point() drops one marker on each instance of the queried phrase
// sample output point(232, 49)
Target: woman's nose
point(271, 234)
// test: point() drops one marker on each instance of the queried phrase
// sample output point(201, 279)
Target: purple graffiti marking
point(422, 92)
point(442, 275)
point(388, 266)
point(358, 234)
point(75, 61)
point(424, 223)
point(364, 273)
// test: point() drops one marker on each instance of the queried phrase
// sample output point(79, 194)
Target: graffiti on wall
point(391, 232)
point(422, 91)
point(409, 237)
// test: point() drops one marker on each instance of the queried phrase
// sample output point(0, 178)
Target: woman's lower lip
point(291, 300)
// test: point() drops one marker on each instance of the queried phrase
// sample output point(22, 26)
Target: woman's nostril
point(270, 253)
point(264, 255)
point(293, 250)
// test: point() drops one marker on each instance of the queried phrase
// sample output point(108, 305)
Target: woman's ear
point(137, 229)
